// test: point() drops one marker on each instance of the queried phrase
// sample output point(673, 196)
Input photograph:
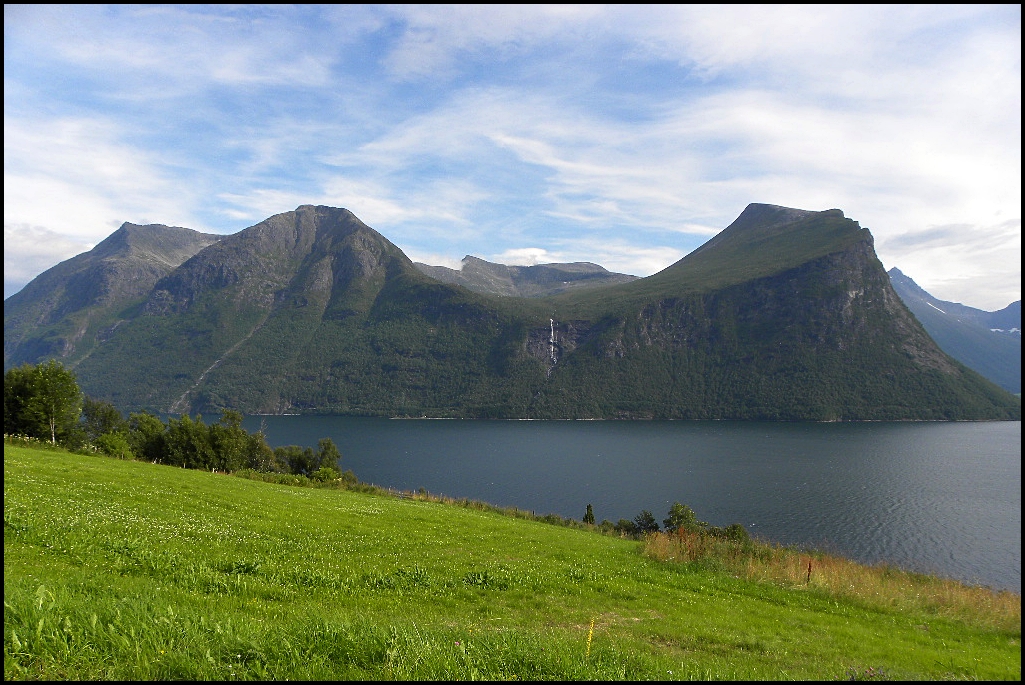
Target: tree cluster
point(681, 519)
point(45, 402)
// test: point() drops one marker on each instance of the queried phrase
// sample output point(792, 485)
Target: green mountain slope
point(786, 314)
point(69, 309)
point(988, 342)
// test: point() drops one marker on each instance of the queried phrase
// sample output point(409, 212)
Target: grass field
point(128, 570)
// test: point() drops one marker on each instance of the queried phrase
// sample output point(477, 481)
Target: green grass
point(118, 570)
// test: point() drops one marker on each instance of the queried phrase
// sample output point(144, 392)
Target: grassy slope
point(131, 570)
point(733, 257)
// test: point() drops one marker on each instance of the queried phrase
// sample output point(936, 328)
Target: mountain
point(539, 280)
point(988, 342)
point(1006, 320)
point(67, 310)
point(786, 314)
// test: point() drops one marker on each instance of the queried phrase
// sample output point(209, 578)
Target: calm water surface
point(941, 498)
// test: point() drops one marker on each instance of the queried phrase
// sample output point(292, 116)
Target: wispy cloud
point(30, 250)
point(78, 178)
point(632, 132)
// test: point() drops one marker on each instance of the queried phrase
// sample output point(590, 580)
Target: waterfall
point(551, 342)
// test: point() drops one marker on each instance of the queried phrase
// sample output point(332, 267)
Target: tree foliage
point(41, 401)
point(101, 418)
point(645, 523)
point(682, 517)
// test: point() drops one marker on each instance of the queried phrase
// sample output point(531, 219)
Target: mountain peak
point(764, 220)
point(169, 245)
point(763, 213)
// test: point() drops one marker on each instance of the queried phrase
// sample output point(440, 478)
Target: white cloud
point(633, 132)
point(31, 250)
point(433, 259)
point(526, 256)
point(434, 37)
point(982, 264)
point(167, 50)
point(68, 184)
point(74, 176)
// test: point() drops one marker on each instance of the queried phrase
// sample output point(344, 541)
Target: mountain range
point(785, 314)
point(539, 280)
point(989, 342)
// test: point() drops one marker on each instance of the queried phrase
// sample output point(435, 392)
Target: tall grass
point(879, 585)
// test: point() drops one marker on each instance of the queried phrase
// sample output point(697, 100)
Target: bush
point(733, 532)
point(114, 445)
point(625, 527)
point(325, 474)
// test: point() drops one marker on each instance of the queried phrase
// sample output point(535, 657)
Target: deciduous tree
point(683, 517)
point(54, 398)
point(645, 522)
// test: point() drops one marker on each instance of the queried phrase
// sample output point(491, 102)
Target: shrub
point(325, 474)
point(114, 445)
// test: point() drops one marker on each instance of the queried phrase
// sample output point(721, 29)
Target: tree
point(17, 390)
point(231, 443)
point(589, 515)
point(682, 517)
point(100, 418)
point(328, 455)
point(114, 445)
point(54, 398)
point(146, 437)
point(187, 443)
point(625, 527)
point(259, 455)
point(297, 460)
point(645, 522)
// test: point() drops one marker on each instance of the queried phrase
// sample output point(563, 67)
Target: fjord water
point(942, 498)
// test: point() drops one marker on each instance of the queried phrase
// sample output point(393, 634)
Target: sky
point(621, 135)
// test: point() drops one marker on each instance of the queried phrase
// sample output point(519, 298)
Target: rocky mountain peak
point(168, 245)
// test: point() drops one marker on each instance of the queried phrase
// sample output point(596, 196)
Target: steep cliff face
point(829, 340)
point(66, 310)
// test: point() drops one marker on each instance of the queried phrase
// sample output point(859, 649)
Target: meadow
point(129, 570)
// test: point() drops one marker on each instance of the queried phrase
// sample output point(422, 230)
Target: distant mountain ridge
point(787, 314)
point(539, 280)
point(989, 342)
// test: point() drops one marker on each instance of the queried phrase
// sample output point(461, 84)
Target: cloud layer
point(618, 135)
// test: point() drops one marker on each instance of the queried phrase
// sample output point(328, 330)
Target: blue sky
point(626, 136)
